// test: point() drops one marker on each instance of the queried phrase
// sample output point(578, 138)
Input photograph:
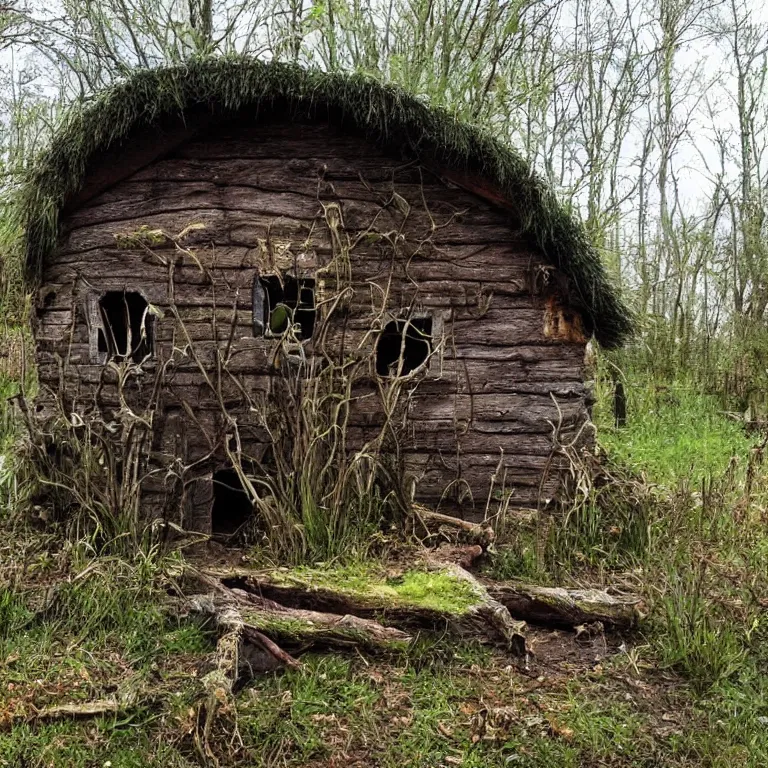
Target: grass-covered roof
point(384, 113)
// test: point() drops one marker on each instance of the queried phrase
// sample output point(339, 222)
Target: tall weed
point(694, 638)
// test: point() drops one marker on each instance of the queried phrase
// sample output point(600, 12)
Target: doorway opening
point(232, 506)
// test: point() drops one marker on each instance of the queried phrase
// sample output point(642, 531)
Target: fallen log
point(468, 611)
point(560, 607)
point(492, 612)
point(294, 627)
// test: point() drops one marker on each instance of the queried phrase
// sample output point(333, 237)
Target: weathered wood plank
point(328, 175)
point(488, 391)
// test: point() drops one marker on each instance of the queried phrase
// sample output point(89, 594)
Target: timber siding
point(259, 199)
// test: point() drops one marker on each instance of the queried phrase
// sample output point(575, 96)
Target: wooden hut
point(196, 235)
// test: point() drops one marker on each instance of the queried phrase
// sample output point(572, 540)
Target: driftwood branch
point(240, 647)
point(121, 702)
point(93, 708)
point(434, 522)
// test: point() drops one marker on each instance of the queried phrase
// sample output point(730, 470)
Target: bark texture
point(560, 607)
point(485, 619)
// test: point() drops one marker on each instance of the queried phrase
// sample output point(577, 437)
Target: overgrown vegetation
point(608, 109)
point(87, 465)
point(690, 689)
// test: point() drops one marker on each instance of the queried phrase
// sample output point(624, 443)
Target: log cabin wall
point(248, 201)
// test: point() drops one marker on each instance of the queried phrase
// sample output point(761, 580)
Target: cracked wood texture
point(509, 353)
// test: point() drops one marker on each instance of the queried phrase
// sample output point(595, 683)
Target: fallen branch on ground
point(263, 654)
point(556, 606)
point(240, 647)
point(433, 522)
point(123, 701)
point(94, 708)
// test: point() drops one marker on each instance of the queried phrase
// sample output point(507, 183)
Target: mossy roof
point(384, 113)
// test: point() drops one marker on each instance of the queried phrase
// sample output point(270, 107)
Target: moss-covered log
point(303, 629)
point(447, 599)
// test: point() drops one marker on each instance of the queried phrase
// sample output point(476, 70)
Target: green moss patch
point(430, 590)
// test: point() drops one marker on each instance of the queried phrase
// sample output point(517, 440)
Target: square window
point(403, 346)
point(286, 305)
point(127, 327)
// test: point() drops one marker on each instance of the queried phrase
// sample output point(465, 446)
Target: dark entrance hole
point(289, 302)
point(403, 346)
point(232, 506)
point(128, 330)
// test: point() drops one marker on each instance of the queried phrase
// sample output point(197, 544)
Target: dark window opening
point(127, 326)
point(232, 507)
point(403, 346)
point(289, 303)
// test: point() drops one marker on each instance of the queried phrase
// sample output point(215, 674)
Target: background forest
point(650, 119)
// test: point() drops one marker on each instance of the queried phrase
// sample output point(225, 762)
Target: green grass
point(103, 743)
point(436, 714)
point(674, 432)
point(14, 614)
point(690, 690)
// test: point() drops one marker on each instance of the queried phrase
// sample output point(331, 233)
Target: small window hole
point(289, 303)
point(127, 326)
point(232, 506)
point(403, 346)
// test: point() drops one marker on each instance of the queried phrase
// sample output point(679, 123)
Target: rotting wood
point(307, 629)
point(486, 619)
point(560, 607)
point(261, 620)
point(231, 660)
point(119, 163)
